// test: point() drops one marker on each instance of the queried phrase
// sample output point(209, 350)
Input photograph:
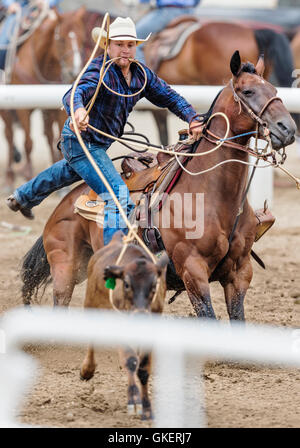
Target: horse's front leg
point(195, 278)
point(235, 287)
point(24, 118)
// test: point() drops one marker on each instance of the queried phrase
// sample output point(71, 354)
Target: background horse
point(50, 55)
point(69, 240)
point(203, 59)
point(295, 46)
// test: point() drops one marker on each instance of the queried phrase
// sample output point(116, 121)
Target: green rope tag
point(110, 283)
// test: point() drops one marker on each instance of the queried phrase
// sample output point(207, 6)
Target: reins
point(219, 142)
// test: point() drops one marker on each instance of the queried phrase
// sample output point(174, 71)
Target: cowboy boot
point(12, 203)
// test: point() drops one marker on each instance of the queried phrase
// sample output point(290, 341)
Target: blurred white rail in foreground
point(178, 400)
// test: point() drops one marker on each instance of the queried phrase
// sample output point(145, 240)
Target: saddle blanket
point(92, 210)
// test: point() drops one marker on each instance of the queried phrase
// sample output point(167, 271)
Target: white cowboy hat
point(120, 29)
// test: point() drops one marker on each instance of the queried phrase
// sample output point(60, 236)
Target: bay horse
point(295, 46)
point(204, 55)
point(203, 59)
point(50, 55)
point(68, 240)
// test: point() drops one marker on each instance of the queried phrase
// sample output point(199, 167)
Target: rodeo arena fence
point(180, 346)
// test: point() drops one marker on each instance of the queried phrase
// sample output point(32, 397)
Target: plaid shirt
point(110, 112)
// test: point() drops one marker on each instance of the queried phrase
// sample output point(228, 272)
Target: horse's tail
point(276, 48)
point(35, 271)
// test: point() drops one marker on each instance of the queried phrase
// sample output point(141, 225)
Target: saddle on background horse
point(168, 43)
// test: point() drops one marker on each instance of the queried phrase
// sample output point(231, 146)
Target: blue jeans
point(74, 167)
point(155, 21)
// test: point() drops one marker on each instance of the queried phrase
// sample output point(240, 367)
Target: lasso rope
point(132, 230)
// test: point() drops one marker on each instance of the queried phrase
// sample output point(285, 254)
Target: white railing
point(177, 390)
point(49, 96)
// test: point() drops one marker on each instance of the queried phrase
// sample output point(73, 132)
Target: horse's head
point(68, 42)
point(256, 102)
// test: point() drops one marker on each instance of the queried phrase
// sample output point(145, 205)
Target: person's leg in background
point(7, 30)
point(155, 21)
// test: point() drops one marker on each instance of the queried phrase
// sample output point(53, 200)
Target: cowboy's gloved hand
point(195, 129)
point(81, 118)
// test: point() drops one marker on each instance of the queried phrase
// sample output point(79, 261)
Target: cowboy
point(160, 16)
point(109, 114)
point(15, 9)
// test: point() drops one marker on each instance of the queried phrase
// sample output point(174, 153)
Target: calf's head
point(140, 278)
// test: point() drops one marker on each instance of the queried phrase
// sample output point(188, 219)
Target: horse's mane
point(205, 116)
point(247, 67)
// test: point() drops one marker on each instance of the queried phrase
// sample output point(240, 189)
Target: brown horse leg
point(9, 175)
point(88, 366)
point(130, 361)
point(143, 375)
point(24, 117)
point(63, 283)
point(49, 120)
point(197, 287)
point(235, 288)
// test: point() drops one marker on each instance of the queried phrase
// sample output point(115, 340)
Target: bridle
point(257, 118)
point(250, 111)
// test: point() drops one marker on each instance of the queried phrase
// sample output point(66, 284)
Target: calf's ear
point(113, 272)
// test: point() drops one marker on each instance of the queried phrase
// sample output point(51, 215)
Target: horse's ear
point(260, 66)
point(235, 63)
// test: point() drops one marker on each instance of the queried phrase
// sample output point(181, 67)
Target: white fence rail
point(49, 96)
point(176, 403)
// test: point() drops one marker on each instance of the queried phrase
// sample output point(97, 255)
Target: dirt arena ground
point(235, 395)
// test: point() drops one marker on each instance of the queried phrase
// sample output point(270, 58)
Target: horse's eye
point(126, 285)
point(248, 92)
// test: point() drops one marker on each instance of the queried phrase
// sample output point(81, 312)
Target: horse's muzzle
point(283, 133)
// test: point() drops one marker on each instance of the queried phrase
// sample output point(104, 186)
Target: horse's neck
point(41, 58)
point(227, 180)
point(43, 52)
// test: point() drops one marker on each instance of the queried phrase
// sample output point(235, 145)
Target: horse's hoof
point(86, 376)
point(131, 409)
point(139, 409)
point(147, 415)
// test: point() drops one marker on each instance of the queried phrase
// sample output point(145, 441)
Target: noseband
point(250, 111)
